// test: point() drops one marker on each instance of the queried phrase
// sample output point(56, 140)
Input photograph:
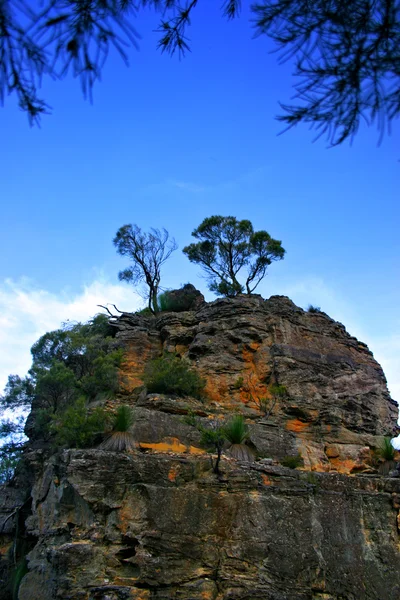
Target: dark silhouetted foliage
point(346, 54)
point(213, 438)
point(178, 300)
point(71, 367)
point(313, 309)
point(147, 253)
point(227, 247)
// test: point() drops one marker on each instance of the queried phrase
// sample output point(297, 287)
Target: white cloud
point(27, 312)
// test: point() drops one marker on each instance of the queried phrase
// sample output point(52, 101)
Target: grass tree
point(120, 438)
point(236, 433)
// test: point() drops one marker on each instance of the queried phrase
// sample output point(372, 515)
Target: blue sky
point(168, 142)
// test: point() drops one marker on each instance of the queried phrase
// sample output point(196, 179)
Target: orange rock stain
point(296, 425)
point(171, 445)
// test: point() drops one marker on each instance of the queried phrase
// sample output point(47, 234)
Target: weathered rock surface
point(158, 524)
point(338, 406)
point(161, 527)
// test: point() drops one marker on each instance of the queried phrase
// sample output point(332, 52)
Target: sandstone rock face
point(337, 406)
point(153, 526)
point(158, 524)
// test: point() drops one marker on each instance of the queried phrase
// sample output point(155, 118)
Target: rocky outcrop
point(157, 523)
point(153, 526)
point(337, 406)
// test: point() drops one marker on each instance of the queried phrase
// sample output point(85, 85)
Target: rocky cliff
point(158, 523)
point(337, 401)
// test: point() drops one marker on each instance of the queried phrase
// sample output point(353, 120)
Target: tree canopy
point(346, 53)
point(70, 367)
point(147, 253)
point(227, 247)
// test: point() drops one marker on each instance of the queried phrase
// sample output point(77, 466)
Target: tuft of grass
point(236, 431)
point(120, 438)
point(386, 450)
point(292, 462)
point(123, 418)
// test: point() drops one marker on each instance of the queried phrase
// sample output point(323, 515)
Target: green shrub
point(313, 309)
point(104, 376)
point(120, 438)
point(145, 312)
point(76, 427)
point(236, 431)
point(177, 300)
point(172, 375)
point(190, 418)
point(213, 438)
point(292, 461)
point(386, 450)
point(238, 383)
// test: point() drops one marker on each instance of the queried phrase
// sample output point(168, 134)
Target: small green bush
point(177, 300)
point(313, 309)
point(104, 377)
point(292, 462)
point(145, 312)
point(76, 427)
point(172, 375)
point(239, 383)
point(236, 431)
point(190, 418)
point(213, 438)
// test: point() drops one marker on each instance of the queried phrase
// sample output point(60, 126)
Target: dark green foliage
point(313, 309)
point(103, 378)
point(213, 438)
point(57, 387)
point(236, 430)
point(172, 375)
point(345, 54)
point(267, 405)
point(77, 427)
point(226, 248)
point(292, 462)
point(18, 393)
point(239, 383)
point(178, 300)
point(386, 450)
point(145, 312)
point(190, 418)
point(147, 252)
point(123, 418)
point(236, 433)
point(278, 392)
point(10, 455)
point(70, 367)
point(120, 438)
point(17, 574)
